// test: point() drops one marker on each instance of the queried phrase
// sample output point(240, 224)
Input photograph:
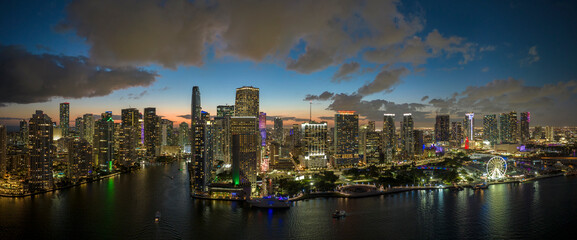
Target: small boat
point(270, 202)
point(157, 217)
point(339, 213)
point(482, 186)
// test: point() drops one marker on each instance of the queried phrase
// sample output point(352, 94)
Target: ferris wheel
point(496, 168)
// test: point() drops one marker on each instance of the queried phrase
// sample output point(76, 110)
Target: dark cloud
point(326, 118)
point(271, 118)
point(345, 71)
point(137, 96)
point(326, 95)
point(424, 98)
point(29, 78)
point(374, 109)
point(384, 81)
point(187, 116)
point(10, 118)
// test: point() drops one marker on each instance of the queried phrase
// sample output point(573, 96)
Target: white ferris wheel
point(496, 168)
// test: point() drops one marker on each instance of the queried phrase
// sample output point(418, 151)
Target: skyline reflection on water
point(124, 207)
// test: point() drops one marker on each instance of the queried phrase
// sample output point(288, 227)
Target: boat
point(339, 213)
point(270, 202)
point(481, 186)
point(157, 217)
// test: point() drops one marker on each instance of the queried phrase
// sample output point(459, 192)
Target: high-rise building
point(40, 129)
point(195, 105)
point(183, 135)
point(3, 149)
point(262, 128)
point(278, 129)
point(247, 102)
point(457, 133)
point(88, 128)
point(78, 125)
point(222, 140)
point(24, 132)
point(245, 146)
point(225, 111)
point(79, 159)
point(538, 133)
point(166, 133)
point(201, 167)
point(104, 138)
point(151, 132)
point(129, 136)
point(371, 126)
point(524, 134)
point(469, 126)
point(550, 133)
point(419, 142)
point(373, 144)
point(315, 144)
point(442, 132)
point(490, 130)
point(346, 140)
point(407, 136)
point(389, 137)
point(514, 125)
point(65, 118)
point(508, 127)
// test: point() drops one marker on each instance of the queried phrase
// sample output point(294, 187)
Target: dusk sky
point(373, 57)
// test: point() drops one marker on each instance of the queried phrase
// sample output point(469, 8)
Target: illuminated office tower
point(78, 123)
point(79, 159)
point(373, 144)
point(166, 132)
point(278, 130)
point(151, 132)
point(346, 140)
point(221, 143)
point(65, 118)
point(524, 134)
point(195, 105)
point(550, 133)
point(296, 135)
point(514, 125)
point(3, 149)
point(389, 137)
point(419, 142)
point(315, 143)
point(442, 124)
point(508, 127)
point(183, 135)
point(407, 138)
point(490, 130)
point(129, 135)
point(40, 129)
point(457, 133)
point(245, 145)
point(262, 127)
point(104, 138)
point(469, 126)
point(538, 133)
point(225, 111)
point(201, 165)
point(371, 126)
point(24, 132)
point(204, 116)
point(247, 102)
point(88, 128)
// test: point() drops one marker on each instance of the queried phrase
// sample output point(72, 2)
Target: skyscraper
point(40, 128)
point(65, 118)
point(508, 127)
point(278, 129)
point(469, 124)
point(346, 140)
point(457, 133)
point(524, 134)
point(262, 128)
point(24, 132)
point(315, 142)
point(418, 141)
point(247, 102)
point(151, 132)
point(88, 128)
point(442, 124)
point(389, 137)
point(407, 136)
point(129, 136)
point(490, 130)
point(225, 110)
point(3, 149)
point(105, 141)
point(79, 159)
point(183, 135)
point(245, 145)
point(195, 105)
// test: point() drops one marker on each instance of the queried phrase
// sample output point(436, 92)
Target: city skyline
point(370, 57)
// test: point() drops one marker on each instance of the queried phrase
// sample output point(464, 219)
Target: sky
point(373, 57)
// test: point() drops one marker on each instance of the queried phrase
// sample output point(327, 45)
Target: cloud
point(345, 71)
point(10, 118)
point(271, 118)
point(29, 78)
point(488, 48)
point(384, 81)
point(533, 55)
point(424, 98)
point(326, 95)
point(326, 118)
point(374, 109)
point(137, 96)
point(187, 116)
point(485, 69)
point(175, 33)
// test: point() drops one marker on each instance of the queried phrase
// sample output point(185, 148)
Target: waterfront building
point(183, 135)
point(24, 132)
point(88, 127)
point(65, 118)
point(195, 109)
point(508, 128)
point(407, 138)
point(225, 111)
point(79, 159)
point(373, 144)
point(151, 132)
point(490, 130)
point(201, 165)
point(167, 133)
point(524, 134)
point(346, 140)
point(278, 130)
point(104, 138)
point(442, 124)
point(469, 126)
point(3, 149)
point(221, 143)
point(245, 149)
point(419, 142)
point(315, 144)
point(40, 129)
point(389, 137)
point(247, 102)
point(129, 135)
